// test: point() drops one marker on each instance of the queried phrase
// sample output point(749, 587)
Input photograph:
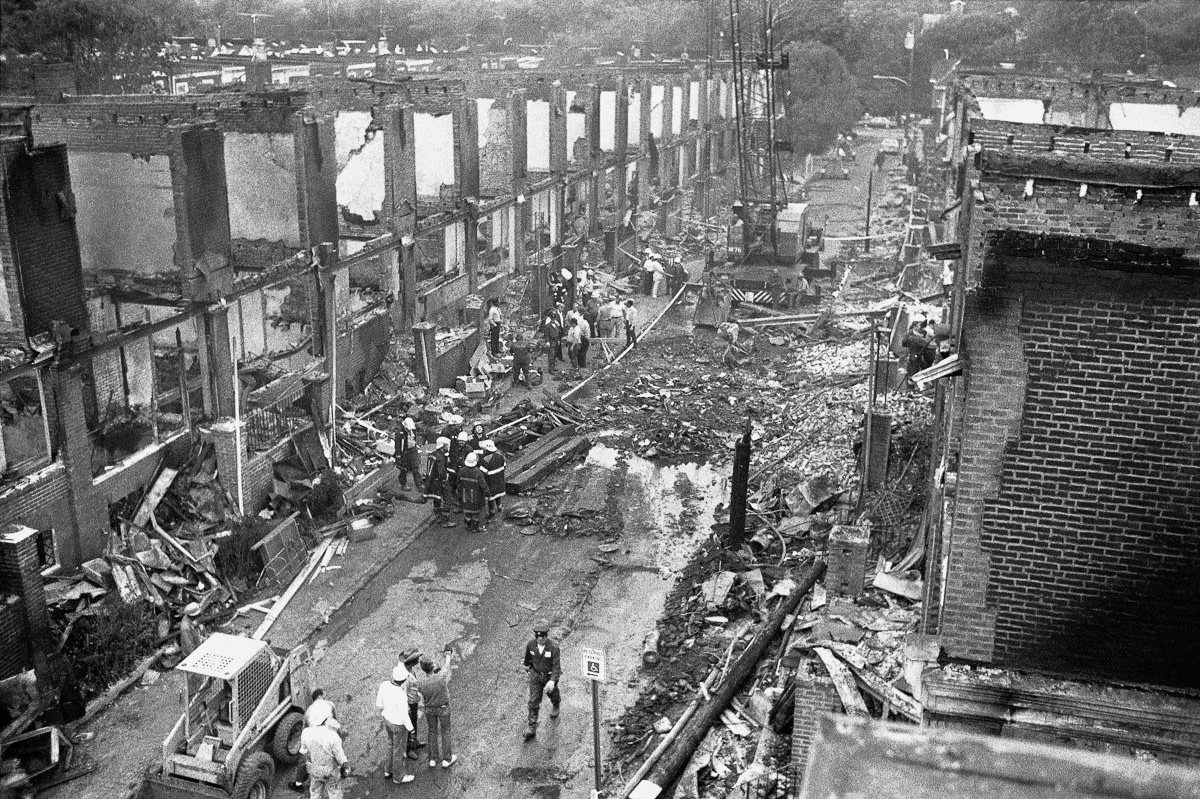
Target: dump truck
point(244, 703)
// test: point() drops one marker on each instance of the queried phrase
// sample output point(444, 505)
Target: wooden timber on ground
point(535, 469)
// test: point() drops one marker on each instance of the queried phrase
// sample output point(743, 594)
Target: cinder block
point(847, 559)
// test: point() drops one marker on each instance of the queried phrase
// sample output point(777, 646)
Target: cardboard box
point(472, 387)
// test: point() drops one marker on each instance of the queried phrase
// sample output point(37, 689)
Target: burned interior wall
point(261, 172)
point(126, 214)
point(495, 147)
point(1072, 546)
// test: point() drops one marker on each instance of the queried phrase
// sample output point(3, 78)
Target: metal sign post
point(594, 669)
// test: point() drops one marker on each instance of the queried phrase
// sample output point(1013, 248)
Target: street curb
point(371, 573)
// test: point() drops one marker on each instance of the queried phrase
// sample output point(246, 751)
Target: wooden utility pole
point(739, 490)
point(669, 768)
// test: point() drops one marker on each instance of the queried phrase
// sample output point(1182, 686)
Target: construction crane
point(770, 233)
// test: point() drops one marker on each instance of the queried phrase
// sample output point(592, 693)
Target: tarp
point(1001, 109)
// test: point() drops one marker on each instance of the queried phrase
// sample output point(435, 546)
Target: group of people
point(657, 274)
point(416, 685)
point(465, 470)
point(926, 343)
point(576, 327)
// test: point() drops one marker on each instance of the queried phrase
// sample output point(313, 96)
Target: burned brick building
point(230, 267)
point(1065, 553)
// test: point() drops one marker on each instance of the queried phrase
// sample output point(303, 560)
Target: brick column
point(20, 574)
point(621, 151)
point(89, 512)
point(316, 176)
point(400, 202)
point(645, 88)
point(229, 441)
point(466, 176)
point(815, 696)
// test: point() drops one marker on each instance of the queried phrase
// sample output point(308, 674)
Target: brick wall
point(1073, 546)
point(815, 696)
point(13, 657)
point(20, 575)
point(361, 350)
point(41, 228)
point(1162, 218)
point(39, 501)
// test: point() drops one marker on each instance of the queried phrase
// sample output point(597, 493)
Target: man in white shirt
point(321, 711)
point(392, 702)
point(631, 320)
point(585, 340)
point(321, 747)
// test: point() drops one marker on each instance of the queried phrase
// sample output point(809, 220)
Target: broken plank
point(287, 595)
point(909, 589)
point(530, 477)
point(875, 684)
point(543, 445)
point(158, 490)
point(843, 681)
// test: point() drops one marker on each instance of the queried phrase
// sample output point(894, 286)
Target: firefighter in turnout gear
point(436, 478)
point(544, 669)
point(492, 465)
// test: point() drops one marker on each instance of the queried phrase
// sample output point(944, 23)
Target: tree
point(820, 99)
point(1087, 33)
point(115, 46)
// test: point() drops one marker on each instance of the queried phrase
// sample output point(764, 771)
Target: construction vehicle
point(770, 234)
point(244, 705)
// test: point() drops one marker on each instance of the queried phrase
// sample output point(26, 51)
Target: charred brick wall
point(815, 696)
point(1073, 543)
point(40, 224)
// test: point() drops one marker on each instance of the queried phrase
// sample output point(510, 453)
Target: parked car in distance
point(879, 122)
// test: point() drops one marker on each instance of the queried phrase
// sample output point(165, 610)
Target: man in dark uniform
point(459, 448)
point(408, 456)
point(544, 669)
point(492, 465)
point(435, 480)
point(472, 491)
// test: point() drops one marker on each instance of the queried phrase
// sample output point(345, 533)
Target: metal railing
point(267, 426)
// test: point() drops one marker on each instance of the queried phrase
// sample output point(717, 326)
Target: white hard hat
point(409, 424)
point(488, 445)
point(443, 442)
point(471, 459)
point(399, 674)
point(464, 436)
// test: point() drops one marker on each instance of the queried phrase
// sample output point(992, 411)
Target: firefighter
point(459, 448)
point(492, 465)
point(436, 479)
point(407, 455)
point(472, 491)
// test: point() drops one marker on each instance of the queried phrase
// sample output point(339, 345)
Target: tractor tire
point(254, 777)
point(285, 740)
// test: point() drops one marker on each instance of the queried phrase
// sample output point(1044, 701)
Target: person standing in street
point(616, 317)
point(459, 448)
point(495, 320)
point(658, 276)
point(573, 339)
point(410, 661)
point(321, 748)
point(522, 360)
point(631, 320)
point(492, 465)
point(472, 491)
point(552, 329)
point(542, 664)
point(434, 685)
point(585, 340)
point(407, 456)
point(436, 477)
point(391, 700)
